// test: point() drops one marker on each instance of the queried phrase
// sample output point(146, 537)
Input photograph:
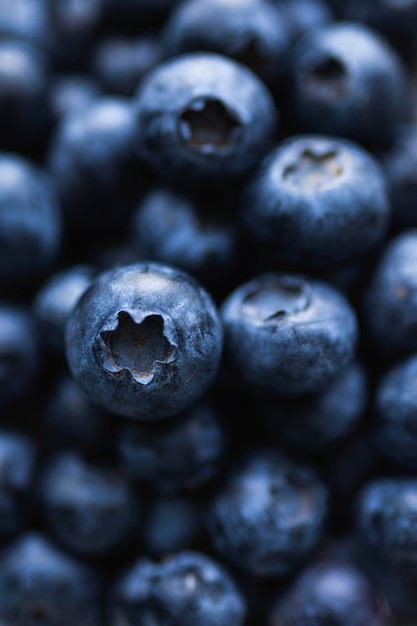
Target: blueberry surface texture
point(144, 341)
point(317, 202)
point(203, 119)
point(187, 589)
point(348, 81)
point(288, 335)
point(268, 515)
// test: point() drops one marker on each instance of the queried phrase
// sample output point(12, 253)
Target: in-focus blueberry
point(288, 335)
point(317, 202)
point(186, 589)
point(203, 118)
point(144, 341)
point(268, 515)
point(39, 584)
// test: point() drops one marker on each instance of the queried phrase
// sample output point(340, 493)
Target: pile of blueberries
point(208, 312)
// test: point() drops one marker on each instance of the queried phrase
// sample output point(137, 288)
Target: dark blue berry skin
point(387, 520)
point(18, 457)
point(30, 224)
point(91, 158)
point(349, 82)
point(187, 589)
point(89, 508)
point(39, 584)
point(24, 106)
point(304, 15)
point(26, 20)
point(202, 118)
point(171, 524)
point(317, 202)
point(400, 166)
point(253, 32)
point(144, 341)
point(288, 335)
point(70, 421)
point(173, 229)
point(390, 304)
point(396, 410)
point(330, 592)
point(119, 64)
point(268, 515)
point(55, 302)
point(316, 422)
point(71, 92)
point(181, 455)
point(20, 355)
point(134, 14)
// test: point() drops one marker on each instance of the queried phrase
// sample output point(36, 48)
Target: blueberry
point(288, 335)
point(390, 303)
point(317, 201)
point(91, 158)
point(90, 508)
point(24, 106)
point(40, 585)
point(305, 15)
point(187, 589)
point(30, 223)
point(315, 422)
point(71, 92)
point(18, 456)
point(26, 20)
point(183, 454)
point(20, 356)
point(55, 301)
point(253, 32)
point(144, 341)
point(400, 166)
point(349, 82)
point(69, 420)
point(268, 515)
point(396, 407)
point(177, 230)
point(387, 519)
point(119, 64)
point(172, 523)
point(203, 118)
point(330, 592)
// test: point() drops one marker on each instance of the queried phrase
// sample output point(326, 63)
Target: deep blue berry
point(387, 519)
point(203, 118)
point(184, 454)
point(253, 32)
point(30, 223)
point(119, 64)
point(317, 201)
point(40, 585)
point(268, 515)
point(174, 229)
point(390, 302)
point(89, 508)
point(317, 421)
point(18, 456)
point(71, 92)
point(55, 302)
point(305, 15)
point(20, 356)
point(144, 341)
point(330, 592)
point(26, 20)
point(91, 158)
point(396, 408)
point(349, 82)
point(187, 589)
point(288, 335)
